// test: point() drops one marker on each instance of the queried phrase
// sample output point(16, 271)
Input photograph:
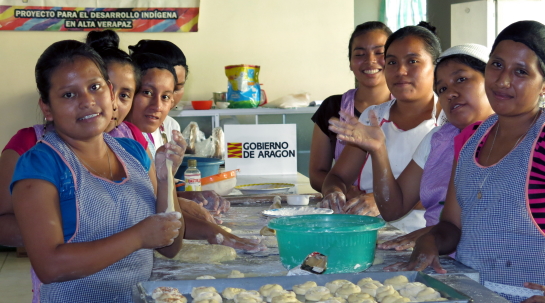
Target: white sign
point(265, 149)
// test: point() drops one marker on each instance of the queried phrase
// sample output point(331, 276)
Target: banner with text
point(266, 149)
point(126, 19)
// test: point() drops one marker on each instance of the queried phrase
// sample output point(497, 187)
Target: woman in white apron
point(493, 214)
point(410, 58)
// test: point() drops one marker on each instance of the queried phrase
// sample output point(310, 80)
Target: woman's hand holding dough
point(335, 201)
point(425, 254)
point(370, 138)
point(159, 230)
point(364, 204)
point(174, 151)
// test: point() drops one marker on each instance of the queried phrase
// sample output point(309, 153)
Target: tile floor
point(15, 283)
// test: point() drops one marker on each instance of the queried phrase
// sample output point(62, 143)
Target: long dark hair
point(363, 29)
point(163, 48)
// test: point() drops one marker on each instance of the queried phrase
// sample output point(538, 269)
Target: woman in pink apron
point(493, 214)
point(366, 56)
point(83, 200)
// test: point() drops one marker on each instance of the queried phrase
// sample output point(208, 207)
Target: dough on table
point(266, 231)
point(203, 253)
point(385, 291)
point(269, 241)
point(171, 298)
point(249, 296)
point(230, 292)
point(205, 278)
point(318, 293)
point(235, 274)
point(412, 289)
point(266, 289)
point(428, 294)
point(227, 229)
point(398, 282)
point(369, 288)
point(301, 289)
point(368, 280)
point(335, 284)
point(360, 298)
point(347, 289)
point(198, 290)
point(278, 292)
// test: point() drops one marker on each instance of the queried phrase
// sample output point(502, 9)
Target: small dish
point(222, 104)
point(264, 188)
point(296, 211)
point(297, 199)
point(202, 105)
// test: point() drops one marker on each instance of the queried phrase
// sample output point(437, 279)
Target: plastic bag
point(243, 90)
point(192, 134)
point(218, 139)
point(290, 101)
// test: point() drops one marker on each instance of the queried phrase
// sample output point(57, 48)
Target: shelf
point(242, 111)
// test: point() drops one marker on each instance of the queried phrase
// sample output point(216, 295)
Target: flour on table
point(207, 253)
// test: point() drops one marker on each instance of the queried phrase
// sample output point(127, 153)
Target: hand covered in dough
point(197, 210)
point(406, 241)
point(425, 254)
point(174, 151)
point(335, 200)
point(159, 230)
point(209, 199)
point(363, 204)
point(223, 237)
point(351, 130)
point(536, 298)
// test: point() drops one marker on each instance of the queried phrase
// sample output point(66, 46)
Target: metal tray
point(185, 286)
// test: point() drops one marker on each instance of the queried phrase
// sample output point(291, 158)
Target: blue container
point(207, 166)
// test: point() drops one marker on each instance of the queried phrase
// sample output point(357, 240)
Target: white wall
point(366, 10)
point(300, 45)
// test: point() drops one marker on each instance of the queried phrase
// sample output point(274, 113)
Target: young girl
point(411, 53)
point(125, 78)
point(493, 214)
point(459, 83)
point(151, 106)
point(366, 57)
point(214, 203)
point(84, 200)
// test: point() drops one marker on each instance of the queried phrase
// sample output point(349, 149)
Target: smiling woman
point(410, 58)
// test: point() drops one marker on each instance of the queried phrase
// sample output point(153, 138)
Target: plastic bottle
point(192, 176)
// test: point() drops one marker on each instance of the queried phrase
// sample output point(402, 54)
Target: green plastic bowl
point(348, 241)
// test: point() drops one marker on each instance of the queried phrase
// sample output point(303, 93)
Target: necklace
point(90, 167)
point(479, 194)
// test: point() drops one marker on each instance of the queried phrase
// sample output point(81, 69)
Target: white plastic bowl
point(297, 199)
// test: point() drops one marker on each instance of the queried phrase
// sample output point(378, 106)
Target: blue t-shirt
point(42, 162)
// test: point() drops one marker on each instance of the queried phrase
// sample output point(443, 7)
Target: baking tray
point(185, 286)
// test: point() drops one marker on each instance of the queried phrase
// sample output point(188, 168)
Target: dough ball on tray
point(230, 292)
point(397, 282)
point(368, 280)
point(318, 293)
point(249, 296)
point(428, 294)
point(334, 300)
point(278, 292)
point(369, 288)
point(385, 291)
point(411, 290)
point(198, 290)
point(266, 289)
point(208, 297)
point(301, 289)
point(288, 297)
point(205, 278)
point(347, 289)
point(235, 274)
point(360, 298)
point(335, 284)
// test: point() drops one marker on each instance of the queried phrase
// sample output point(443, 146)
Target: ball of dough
point(209, 296)
point(230, 292)
point(368, 280)
point(347, 289)
point(384, 291)
point(359, 297)
point(205, 278)
point(171, 298)
point(284, 298)
point(199, 253)
point(398, 282)
point(197, 290)
point(235, 274)
point(249, 296)
point(157, 292)
point(394, 298)
point(335, 284)
point(279, 292)
point(227, 229)
point(369, 288)
point(428, 294)
point(334, 300)
point(265, 231)
point(318, 293)
point(412, 289)
point(301, 289)
point(266, 289)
